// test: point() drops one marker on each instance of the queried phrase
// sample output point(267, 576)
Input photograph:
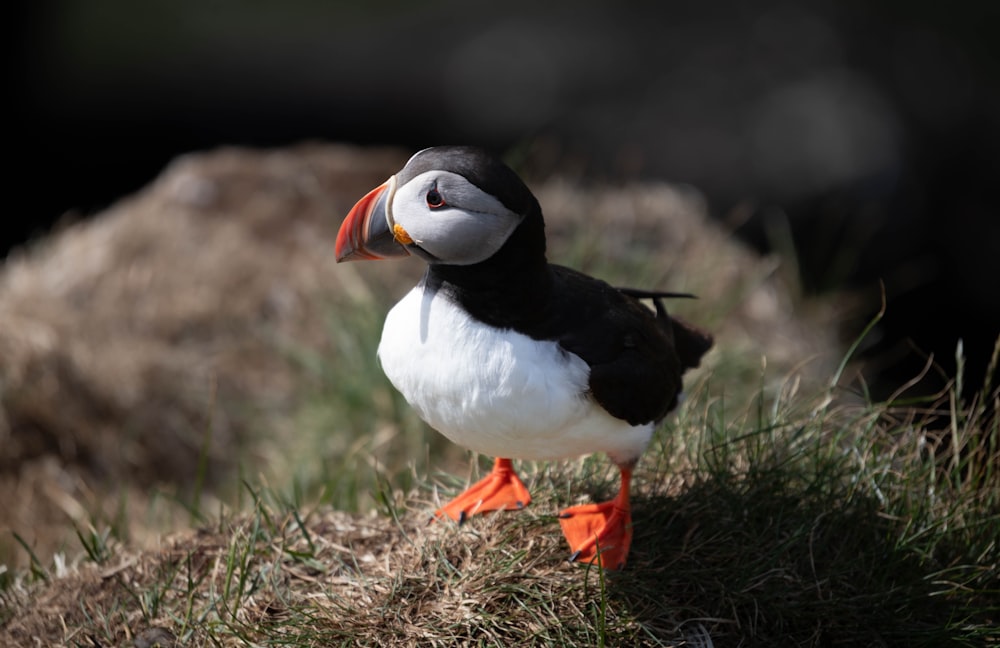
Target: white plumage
point(497, 392)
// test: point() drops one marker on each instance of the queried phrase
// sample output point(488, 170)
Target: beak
point(366, 234)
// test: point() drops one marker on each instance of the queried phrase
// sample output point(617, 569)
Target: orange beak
point(366, 234)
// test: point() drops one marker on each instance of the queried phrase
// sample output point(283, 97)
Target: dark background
point(862, 137)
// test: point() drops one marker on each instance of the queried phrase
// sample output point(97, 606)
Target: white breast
point(496, 391)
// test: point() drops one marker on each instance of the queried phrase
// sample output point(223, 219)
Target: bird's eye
point(435, 199)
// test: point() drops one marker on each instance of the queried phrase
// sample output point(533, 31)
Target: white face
point(451, 218)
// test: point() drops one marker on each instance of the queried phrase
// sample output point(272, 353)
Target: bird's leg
point(601, 533)
point(502, 489)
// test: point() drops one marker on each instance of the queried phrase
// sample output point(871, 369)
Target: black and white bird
point(509, 355)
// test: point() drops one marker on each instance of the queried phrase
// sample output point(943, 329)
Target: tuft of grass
point(35, 567)
point(95, 543)
point(797, 534)
point(201, 472)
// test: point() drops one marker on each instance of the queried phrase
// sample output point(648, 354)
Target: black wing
point(635, 364)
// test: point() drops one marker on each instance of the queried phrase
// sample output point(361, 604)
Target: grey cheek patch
point(470, 229)
point(465, 238)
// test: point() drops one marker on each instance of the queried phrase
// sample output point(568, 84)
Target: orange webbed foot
point(501, 490)
point(601, 533)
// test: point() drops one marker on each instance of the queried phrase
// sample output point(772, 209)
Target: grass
point(791, 519)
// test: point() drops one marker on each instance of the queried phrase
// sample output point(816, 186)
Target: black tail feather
point(690, 342)
point(638, 293)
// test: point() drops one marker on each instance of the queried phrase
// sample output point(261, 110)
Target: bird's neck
point(510, 289)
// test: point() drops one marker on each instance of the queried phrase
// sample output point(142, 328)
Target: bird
point(509, 355)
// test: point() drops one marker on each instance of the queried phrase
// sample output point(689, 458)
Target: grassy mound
point(793, 521)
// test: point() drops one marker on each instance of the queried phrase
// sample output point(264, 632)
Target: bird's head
point(451, 205)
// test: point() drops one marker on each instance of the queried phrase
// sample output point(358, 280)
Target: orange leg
point(601, 533)
point(502, 489)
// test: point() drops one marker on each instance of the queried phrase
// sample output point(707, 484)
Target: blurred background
point(858, 139)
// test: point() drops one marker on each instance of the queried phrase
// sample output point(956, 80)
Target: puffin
point(509, 355)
